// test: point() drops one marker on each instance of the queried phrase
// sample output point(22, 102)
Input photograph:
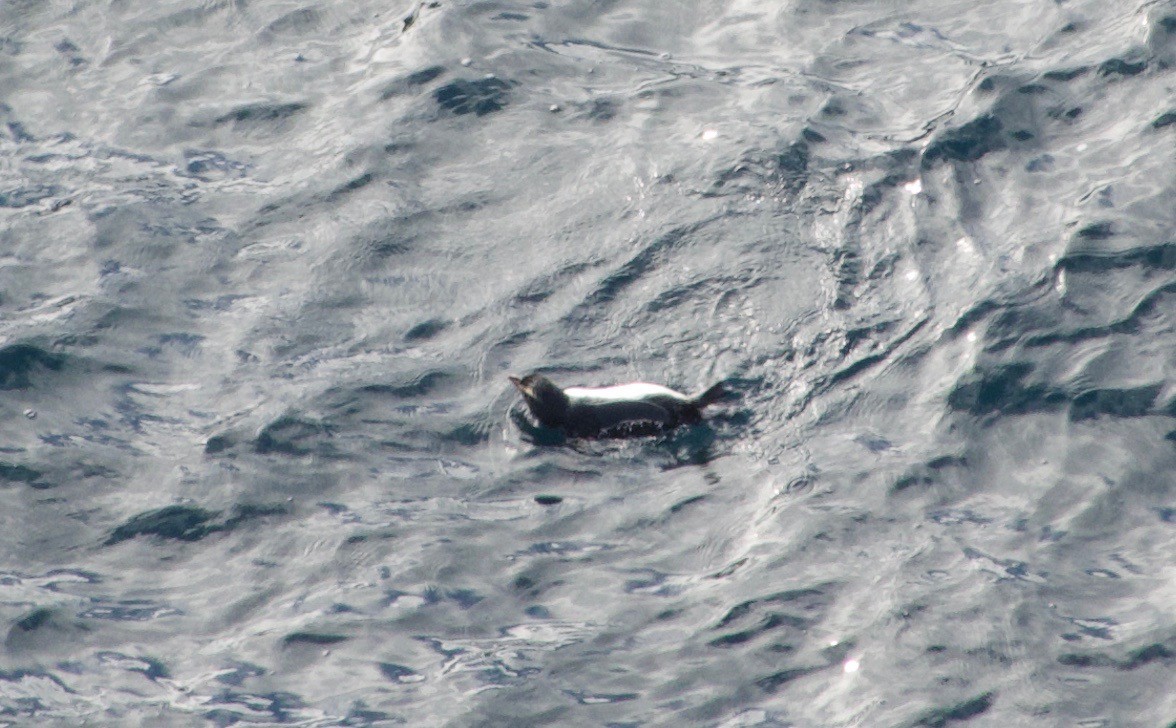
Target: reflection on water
point(265, 269)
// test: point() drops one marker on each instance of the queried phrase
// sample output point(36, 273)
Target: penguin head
point(547, 402)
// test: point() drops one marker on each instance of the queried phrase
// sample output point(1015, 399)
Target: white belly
point(623, 392)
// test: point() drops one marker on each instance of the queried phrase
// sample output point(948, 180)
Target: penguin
point(625, 410)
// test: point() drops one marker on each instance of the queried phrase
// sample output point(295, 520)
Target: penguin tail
point(712, 395)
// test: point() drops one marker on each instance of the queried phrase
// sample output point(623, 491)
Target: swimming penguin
point(626, 410)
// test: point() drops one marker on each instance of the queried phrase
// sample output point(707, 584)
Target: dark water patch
point(787, 169)
point(16, 130)
point(1146, 655)
point(1096, 231)
point(478, 97)
point(548, 500)
point(847, 265)
point(1002, 568)
point(1152, 257)
point(188, 523)
point(20, 675)
point(686, 503)
point(651, 256)
point(20, 363)
point(1135, 659)
point(186, 343)
point(360, 716)
point(34, 620)
point(868, 361)
point(219, 304)
point(769, 623)
point(1102, 573)
point(281, 707)
point(218, 444)
point(426, 330)
point(542, 288)
point(1133, 402)
point(1004, 389)
point(686, 293)
point(812, 136)
point(412, 83)
point(133, 413)
point(558, 548)
point(468, 434)
point(244, 513)
point(303, 20)
point(952, 516)
point(369, 536)
point(1065, 75)
point(27, 195)
point(313, 638)
point(12, 473)
point(806, 605)
point(352, 185)
point(1064, 113)
point(208, 165)
point(223, 718)
point(182, 523)
point(1130, 324)
point(149, 667)
point(464, 598)
point(1122, 67)
point(372, 248)
point(599, 110)
point(238, 672)
point(261, 113)
point(874, 443)
point(1164, 120)
point(966, 143)
point(43, 629)
point(968, 709)
point(295, 437)
point(399, 673)
point(1043, 163)
point(985, 307)
point(421, 384)
point(411, 18)
point(652, 582)
point(775, 681)
point(1085, 660)
point(947, 461)
point(425, 75)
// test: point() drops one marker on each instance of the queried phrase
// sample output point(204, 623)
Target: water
point(266, 266)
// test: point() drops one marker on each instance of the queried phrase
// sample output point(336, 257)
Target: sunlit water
point(265, 268)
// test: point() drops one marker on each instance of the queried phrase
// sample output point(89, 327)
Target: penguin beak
point(518, 383)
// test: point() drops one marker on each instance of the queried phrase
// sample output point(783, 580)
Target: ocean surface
point(266, 265)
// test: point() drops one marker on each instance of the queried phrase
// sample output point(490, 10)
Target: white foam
point(623, 392)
